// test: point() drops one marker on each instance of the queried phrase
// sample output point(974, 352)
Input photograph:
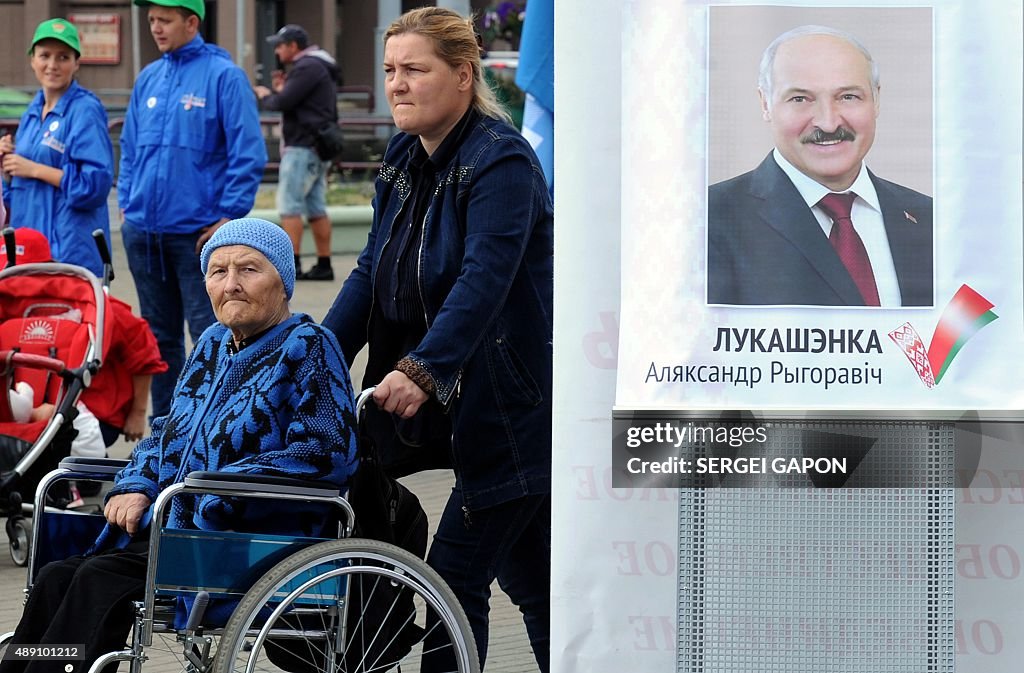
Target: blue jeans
point(171, 290)
point(510, 541)
point(302, 183)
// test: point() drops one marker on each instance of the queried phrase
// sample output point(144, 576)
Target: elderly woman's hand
point(126, 510)
point(398, 394)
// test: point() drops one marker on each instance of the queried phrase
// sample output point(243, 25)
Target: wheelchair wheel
point(348, 606)
point(20, 533)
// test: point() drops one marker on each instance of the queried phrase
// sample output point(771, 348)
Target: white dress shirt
point(866, 216)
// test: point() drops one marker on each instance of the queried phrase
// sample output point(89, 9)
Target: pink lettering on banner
point(989, 487)
point(601, 347)
point(650, 633)
point(982, 636)
point(648, 558)
point(978, 562)
point(595, 483)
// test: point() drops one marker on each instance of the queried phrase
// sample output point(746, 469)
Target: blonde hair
point(455, 43)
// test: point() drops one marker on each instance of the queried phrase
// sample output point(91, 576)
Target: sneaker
point(317, 273)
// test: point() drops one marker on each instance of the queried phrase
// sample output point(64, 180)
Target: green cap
point(197, 6)
point(57, 29)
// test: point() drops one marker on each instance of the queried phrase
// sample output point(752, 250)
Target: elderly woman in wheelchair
point(265, 401)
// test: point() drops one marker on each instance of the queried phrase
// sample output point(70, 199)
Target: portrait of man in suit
point(812, 225)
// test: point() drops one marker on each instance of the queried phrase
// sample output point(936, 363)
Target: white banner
point(734, 292)
point(614, 601)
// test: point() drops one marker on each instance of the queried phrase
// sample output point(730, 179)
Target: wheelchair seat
point(297, 604)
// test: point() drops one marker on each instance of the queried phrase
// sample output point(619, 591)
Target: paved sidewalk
point(509, 650)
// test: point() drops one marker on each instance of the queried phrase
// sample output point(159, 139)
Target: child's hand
point(43, 412)
point(135, 425)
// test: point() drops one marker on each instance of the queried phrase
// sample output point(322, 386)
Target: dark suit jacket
point(766, 247)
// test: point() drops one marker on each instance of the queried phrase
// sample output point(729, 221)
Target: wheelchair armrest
point(98, 466)
point(245, 483)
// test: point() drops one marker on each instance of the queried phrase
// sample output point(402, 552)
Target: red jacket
point(132, 351)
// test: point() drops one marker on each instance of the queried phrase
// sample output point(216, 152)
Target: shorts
point(302, 183)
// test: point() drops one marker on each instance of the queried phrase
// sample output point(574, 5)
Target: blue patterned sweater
point(283, 406)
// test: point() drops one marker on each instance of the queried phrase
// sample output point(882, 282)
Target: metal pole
point(136, 45)
point(240, 33)
point(387, 11)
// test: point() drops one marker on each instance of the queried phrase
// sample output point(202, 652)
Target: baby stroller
point(52, 336)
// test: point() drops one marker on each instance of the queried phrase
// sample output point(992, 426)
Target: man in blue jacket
point(192, 156)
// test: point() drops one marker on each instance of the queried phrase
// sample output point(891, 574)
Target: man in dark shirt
point(307, 99)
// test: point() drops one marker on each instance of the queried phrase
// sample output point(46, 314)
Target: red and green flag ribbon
point(965, 314)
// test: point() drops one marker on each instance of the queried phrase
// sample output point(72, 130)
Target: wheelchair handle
point(361, 400)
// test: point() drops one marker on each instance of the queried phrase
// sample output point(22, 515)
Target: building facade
point(116, 41)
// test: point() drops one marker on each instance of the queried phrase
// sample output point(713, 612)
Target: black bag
point(328, 142)
point(410, 445)
point(386, 511)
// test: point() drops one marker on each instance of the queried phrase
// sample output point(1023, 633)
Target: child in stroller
point(57, 312)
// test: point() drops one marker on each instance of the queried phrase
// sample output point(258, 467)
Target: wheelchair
point(304, 605)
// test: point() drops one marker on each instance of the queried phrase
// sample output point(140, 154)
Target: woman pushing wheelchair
point(453, 295)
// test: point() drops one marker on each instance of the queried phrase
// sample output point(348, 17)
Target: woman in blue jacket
point(58, 174)
point(453, 293)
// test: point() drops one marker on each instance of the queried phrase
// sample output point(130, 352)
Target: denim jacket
point(485, 281)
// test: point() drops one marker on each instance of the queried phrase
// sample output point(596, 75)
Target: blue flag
point(536, 76)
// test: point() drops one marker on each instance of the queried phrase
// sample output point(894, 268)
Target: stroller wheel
point(18, 531)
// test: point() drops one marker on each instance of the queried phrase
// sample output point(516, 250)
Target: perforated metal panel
point(824, 580)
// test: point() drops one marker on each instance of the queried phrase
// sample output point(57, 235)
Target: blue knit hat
point(267, 237)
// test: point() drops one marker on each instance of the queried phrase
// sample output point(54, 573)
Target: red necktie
point(848, 245)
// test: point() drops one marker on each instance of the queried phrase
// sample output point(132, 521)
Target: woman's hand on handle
point(397, 394)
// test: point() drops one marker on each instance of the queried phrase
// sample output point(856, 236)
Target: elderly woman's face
point(246, 291)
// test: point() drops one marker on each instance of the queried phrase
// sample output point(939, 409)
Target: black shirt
point(397, 288)
point(308, 100)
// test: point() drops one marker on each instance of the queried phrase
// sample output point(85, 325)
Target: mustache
point(819, 136)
